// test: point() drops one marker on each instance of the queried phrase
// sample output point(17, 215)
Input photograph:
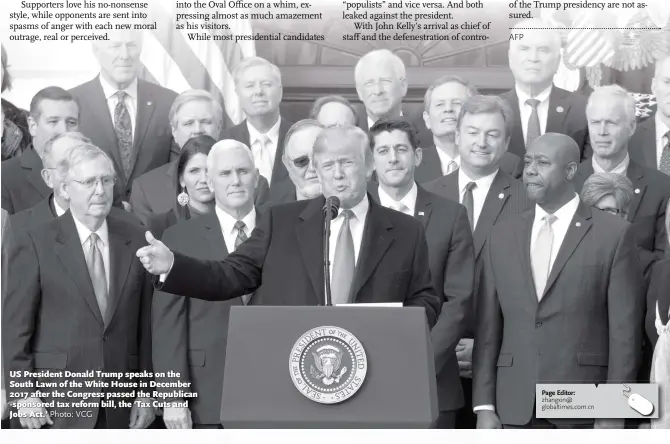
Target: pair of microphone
point(330, 210)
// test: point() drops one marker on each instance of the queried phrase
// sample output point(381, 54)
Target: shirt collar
point(544, 95)
point(661, 128)
point(483, 183)
point(59, 210)
point(228, 222)
point(360, 210)
point(409, 199)
point(84, 233)
point(372, 122)
point(273, 133)
point(622, 168)
point(109, 90)
point(567, 211)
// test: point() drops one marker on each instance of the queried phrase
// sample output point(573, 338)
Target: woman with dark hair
point(15, 133)
point(192, 196)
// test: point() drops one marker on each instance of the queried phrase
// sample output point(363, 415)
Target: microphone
point(330, 211)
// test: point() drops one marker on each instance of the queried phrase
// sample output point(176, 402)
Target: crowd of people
point(532, 227)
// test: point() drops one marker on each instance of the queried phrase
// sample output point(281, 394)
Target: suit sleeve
point(625, 309)
point(19, 312)
point(421, 292)
point(238, 274)
point(488, 336)
point(169, 321)
point(139, 203)
point(458, 287)
point(145, 340)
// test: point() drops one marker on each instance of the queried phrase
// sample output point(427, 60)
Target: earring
point(182, 198)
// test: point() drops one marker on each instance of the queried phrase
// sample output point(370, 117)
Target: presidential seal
point(328, 365)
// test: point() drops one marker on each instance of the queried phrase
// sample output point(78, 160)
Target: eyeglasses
point(92, 182)
point(614, 211)
point(300, 162)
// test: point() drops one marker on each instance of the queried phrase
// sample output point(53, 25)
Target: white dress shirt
point(409, 200)
point(264, 157)
point(228, 229)
point(479, 192)
point(525, 110)
point(59, 210)
point(356, 224)
point(564, 216)
point(372, 122)
point(445, 160)
point(622, 168)
point(103, 234)
point(131, 100)
point(661, 139)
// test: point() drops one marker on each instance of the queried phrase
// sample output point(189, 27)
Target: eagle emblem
point(327, 360)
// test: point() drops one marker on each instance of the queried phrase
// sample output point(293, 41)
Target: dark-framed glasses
point(92, 182)
point(614, 211)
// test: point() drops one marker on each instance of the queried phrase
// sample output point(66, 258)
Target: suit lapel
point(212, 234)
point(431, 167)
point(636, 175)
point(517, 139)
point(558, 110)
point(523, 234)
point(646, 143)
point(71, 253)
point(31, 161)
point(121, 255)
point(493, 205)
point(376, 240)
point(423, 206)
point(309, 232)
point(98, 103)
point(450, 187)
point(580, 224)
point(281, 184)
point(145, 109)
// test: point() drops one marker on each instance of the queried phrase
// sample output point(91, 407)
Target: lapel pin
point(559, 109)
point(579, 224)
point(501, 195)
point(637, 191)
point(421, 213)
point(149, 103)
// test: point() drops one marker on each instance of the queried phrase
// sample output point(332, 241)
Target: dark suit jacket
point(642, 146)
point(431, 169)
point(45, 211)
point(50, 316)
point(22, 184)
point(153, 192)
point(647, 210)
point(659, 285)
point(451, 261)
point(152, 136)
point(192, 332)
point(571, 120)
point(585, 329)
point(280, 183)
point(506, 197)
point(282, 262)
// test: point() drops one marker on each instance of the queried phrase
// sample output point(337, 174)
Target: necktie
point(469, 203)
point(344, 263)
point(399, 206)
point(541, 256)
point(452, 166)
point(241, 237)
point(533, 131)
point(262, 156)
point(124, 133)
point(96, 269)
point(664, 165)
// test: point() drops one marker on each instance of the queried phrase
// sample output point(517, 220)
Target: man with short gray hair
point(611, 119)
point(539, 106)
point(77, 301)
point(297, 159)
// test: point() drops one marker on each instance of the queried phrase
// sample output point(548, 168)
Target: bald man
point(190, 335)
point(561, 298)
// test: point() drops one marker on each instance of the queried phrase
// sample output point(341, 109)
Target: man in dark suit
point(382, 257)
point(78, 302)
point(450, 250)
point(193, 113)
point(52, 111)
point(258, 86)
point(190, 335)
point(539, 106)
point(483, 133)
point(125, 116)
point(611, 115)
point(650, 145)
point(561, 300)
point(442, 106)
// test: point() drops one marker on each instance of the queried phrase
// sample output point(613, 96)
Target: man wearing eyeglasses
point(78, 302)
point(611, 118)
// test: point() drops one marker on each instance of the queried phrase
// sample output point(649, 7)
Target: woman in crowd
point(608, 192)
point(15, 133)
point(192, 196)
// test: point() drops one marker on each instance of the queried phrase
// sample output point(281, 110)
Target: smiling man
point(561, 301)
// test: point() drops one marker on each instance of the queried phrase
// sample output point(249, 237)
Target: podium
point(398, 389)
